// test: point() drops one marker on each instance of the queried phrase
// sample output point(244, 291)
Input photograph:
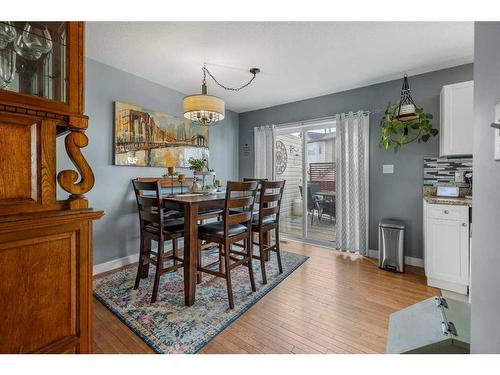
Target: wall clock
point(281, 157)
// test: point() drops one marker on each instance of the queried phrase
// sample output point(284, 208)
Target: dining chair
point(235, 226)
point(268, 219)
point(156, 225)
point(256, 206)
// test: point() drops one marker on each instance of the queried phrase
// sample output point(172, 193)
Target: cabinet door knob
point(446, 212)
point(464, 224)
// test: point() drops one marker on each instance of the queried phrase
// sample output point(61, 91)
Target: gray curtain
point(264, 141)
point(352, 181)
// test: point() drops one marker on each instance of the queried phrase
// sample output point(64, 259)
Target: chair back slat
point(259, 181)
point(269, 198)
point(240, 202)
point(239, 195)
point(268, 211)
point(239, 218)
point(145, 185)
point(275, 184)
point(149, 201)
point(146, 201)
point(271, 193)
point(149, 216)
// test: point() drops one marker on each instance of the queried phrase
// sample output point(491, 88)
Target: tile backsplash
point(441, 171)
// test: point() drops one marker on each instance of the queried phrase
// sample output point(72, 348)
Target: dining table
point(191, 205)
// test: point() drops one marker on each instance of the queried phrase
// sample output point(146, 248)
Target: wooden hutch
point(45, 243)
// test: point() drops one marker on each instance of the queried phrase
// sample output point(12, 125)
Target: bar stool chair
point(155, 225)
point(268, 218)
point(234, 227)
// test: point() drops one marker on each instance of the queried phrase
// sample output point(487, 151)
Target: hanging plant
point(403, 122)
point(397, 132)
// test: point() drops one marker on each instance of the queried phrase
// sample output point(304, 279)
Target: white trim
point(129, 259)
point(454, 295)
point(284, 237)
point(367, 175)
point(411, 261)
point(447, 285)
point(115, 263)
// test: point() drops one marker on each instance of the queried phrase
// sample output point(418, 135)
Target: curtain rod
point(319, 119)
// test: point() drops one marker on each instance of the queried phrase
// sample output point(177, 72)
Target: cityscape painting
point(156, 139)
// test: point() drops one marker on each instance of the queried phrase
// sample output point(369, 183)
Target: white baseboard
point(411, 261)
point(129, 259)
point(115, 263)
point(120, 262)
point(447, 285)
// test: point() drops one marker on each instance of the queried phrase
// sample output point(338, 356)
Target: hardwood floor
point(334, 303)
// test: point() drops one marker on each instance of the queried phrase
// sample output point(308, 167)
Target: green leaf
point(395, 133)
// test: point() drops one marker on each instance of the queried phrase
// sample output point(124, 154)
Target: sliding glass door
point(305, 158)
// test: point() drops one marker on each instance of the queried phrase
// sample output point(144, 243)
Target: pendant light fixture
point(207, 110)
point(406, 110)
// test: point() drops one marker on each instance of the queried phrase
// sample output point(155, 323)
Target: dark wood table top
point(195, 198)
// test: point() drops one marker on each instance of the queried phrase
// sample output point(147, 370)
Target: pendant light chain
point(206, 71)
point(207, 110)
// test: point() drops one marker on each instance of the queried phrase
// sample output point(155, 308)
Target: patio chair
point(313, 201)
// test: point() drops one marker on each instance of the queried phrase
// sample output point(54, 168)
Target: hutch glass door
point(33, 59)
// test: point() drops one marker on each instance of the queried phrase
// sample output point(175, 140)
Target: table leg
point(190, 252)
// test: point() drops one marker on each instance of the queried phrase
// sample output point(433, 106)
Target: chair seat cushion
point(173, 214)
point(217, 229)
point(240, 210)
point(266, 221)
point(173, 225)
point(214, 211)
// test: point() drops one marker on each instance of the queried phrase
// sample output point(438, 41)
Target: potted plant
point(397, 131)
point(198, 165)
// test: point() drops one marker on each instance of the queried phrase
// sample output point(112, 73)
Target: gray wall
point(116, 235)
point(398, 195)
point(485, 251)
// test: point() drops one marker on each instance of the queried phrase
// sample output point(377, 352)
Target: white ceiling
point(297, 60)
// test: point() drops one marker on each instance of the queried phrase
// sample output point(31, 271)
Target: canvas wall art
point(156, 139)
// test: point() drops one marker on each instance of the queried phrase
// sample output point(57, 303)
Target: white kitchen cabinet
point(446, 246)
point(456, 119)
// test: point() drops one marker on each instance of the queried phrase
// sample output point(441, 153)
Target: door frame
point(303, 127)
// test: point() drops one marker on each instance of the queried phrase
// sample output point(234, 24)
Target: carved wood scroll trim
point(74, 141)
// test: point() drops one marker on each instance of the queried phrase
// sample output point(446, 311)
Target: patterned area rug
point(168, 326)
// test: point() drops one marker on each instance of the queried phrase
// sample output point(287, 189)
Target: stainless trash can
point(391, 236)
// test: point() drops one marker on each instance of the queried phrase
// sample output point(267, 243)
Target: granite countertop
point(429, 194)
point(445, 200)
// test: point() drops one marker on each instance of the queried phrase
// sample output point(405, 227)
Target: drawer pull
point(446, 212)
